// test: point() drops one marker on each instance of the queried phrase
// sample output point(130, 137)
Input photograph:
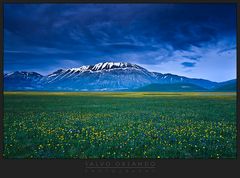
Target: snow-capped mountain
point(24, 75)
point(21, 80)
point(106, 76)
point(106, 66)
point(101, 76)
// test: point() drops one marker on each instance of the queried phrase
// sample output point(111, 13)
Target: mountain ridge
point(105, 76)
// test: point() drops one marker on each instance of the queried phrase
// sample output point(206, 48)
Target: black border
point(164, 167)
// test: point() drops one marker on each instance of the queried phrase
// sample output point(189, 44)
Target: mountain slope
point(171, 78)
point(176, 87)
point(231, 87)
point(102, 76)
point(107, 76)
point(22, 81)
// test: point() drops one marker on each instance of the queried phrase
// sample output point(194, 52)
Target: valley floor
point(119, 125)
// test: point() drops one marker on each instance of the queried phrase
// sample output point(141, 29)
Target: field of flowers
point(119, 125)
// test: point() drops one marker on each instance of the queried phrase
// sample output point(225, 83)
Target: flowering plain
point(119, 125)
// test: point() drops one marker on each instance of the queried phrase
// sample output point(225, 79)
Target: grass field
point(119, 125)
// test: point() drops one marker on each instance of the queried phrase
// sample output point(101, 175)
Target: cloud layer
point(44, 37)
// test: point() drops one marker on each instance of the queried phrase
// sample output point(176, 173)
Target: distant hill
point(176, 87)
point(227, 87)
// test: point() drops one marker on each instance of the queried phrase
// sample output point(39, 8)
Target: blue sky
point(194, 40)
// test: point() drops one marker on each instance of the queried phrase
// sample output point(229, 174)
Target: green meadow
point(120, 125)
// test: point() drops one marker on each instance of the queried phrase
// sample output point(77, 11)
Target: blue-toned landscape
point(110, 76)
point(120, 81)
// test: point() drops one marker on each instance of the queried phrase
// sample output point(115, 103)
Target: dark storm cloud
point(89, 32)
point(188, 64)
point(227, 49)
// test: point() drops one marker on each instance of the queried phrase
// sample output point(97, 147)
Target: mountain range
point(110, 76)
